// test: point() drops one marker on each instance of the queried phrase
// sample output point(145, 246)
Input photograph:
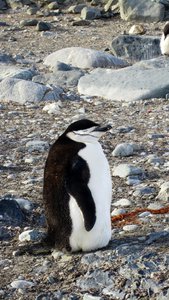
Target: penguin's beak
point(103, 129)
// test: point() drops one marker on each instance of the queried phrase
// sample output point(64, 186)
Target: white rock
point(83, 58)
point(52, 108)
point(117, 211)
point(123, 149)
point(164, 192)
point(22, 284)
point(124, 170)
point(30, 235)
point(90, 297)
point(131, 227)
point(122, 202)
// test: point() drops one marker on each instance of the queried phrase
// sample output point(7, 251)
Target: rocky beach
point(66, 60)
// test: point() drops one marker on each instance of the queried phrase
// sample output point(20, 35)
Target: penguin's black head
point(166, 29)
point(85, 131)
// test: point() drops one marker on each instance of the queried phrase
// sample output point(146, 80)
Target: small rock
point(52, 108)
point(137, 29)
point(123, 149)
point(24, 204)
point(124, 170)
point(144, 190)
point(90, 13)
point(30, 235)
point(90, 297)
point(118, 211)
point(22, 284)
point(131, 227)
point(43, 26)
point(29, 22)
point(37, 146)
point(164, 192)
point(122, 202)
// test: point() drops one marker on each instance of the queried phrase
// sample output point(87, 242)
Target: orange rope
point(133, 214)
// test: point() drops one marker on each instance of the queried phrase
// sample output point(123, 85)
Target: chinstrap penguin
point(77, 189)
point(164, 43)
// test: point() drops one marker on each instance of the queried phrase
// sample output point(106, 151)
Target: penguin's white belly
point(101, 189)
point(164, 45)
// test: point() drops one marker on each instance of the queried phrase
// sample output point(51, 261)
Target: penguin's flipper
point(77, 186)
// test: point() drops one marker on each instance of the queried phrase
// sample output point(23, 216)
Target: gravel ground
point(135, 264)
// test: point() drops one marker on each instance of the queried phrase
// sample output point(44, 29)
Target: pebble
point(24, 204)
point(124, 170)
point(144, 190)
point(30, 235)
point(123, 150)
point(37, 145)
point(131, 227)
point(52, 108)
point(90, 297)
point(22, 284)
point(122, 202)
point(117, 211)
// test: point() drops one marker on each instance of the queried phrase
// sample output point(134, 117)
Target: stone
point(15, 72)
point(136, 47)
point(81, 23)
point(118, 211)
point(83, 58)
point(6, 59)
point(137, 29)
point(11, 211)
point(59, 78)
point(21, 91)
point(37, 145)
point(144, 190)
point(90, 297)
point(29, 22)
point(123, 149)
point(22, 284)
point(131, 227)
point(43, 26)
point(30, 235)
point(95, 280)
point(90, 13)
point(24, 204)
point(76, 9)
point(53, 5)
point(52, 108)
point(164, 192)
point(3, 5)
point(127, 84)
point(109, 4)
point(124, 170)
point(122, 202)
point(155, 236)
point(145, 11)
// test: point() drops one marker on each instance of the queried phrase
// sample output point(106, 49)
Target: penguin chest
point(101, 189)
point(164, 44)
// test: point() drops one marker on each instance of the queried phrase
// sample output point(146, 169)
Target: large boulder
point(135, 47)
point(15, 72)
point(21, 91)
point(144, 10)
point(128, 84)
point(84, 58)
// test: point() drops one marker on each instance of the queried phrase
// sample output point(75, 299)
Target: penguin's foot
point(39, 248)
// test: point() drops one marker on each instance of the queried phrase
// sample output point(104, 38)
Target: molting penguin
point(77, 189)
point(164, 43)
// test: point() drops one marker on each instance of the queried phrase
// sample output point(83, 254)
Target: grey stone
point(136, 47)
point(3, 5)
point(6, 58)
point(124, 170)
point(144, 190)
point(155, 236)
point(11, 211)
point(29, 22)
point(30, 235)
point(15, 72)
point(95, 280)
point(128, 84)
point(84, 58)
point(90, 13)
point(22, 284)
point(43, 26)
point(53, 5)
point(37, 145)
point(24, 204)
point(144, 10)
point(60, 78)
point(123, 149)
point(90, 297)
point(76, 9)
point(21, 91)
